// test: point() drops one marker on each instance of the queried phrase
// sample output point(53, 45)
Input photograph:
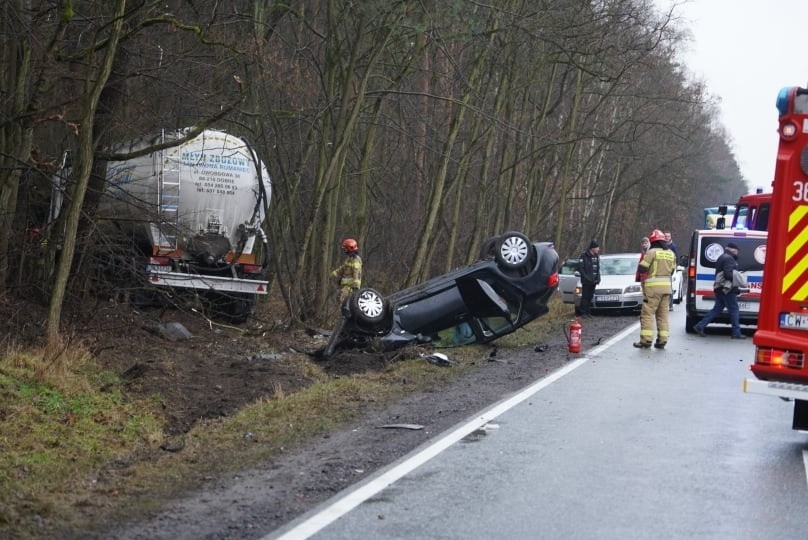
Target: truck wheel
point(690, 322)
point(800, 419)
point(513, 250)
point(233, 307)
point(367, 305)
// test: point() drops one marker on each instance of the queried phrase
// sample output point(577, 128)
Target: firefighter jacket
point(658, 265)
point(350, 272)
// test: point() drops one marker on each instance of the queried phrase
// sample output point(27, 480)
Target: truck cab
point(781, 340)
point(752, 211)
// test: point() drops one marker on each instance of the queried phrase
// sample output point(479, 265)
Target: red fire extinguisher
point(575, 336)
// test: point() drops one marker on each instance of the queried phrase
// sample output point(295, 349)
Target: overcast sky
point(746, 51)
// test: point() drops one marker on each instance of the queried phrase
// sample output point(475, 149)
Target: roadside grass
point(542, 328)
point(70, 439)
point(61, 419)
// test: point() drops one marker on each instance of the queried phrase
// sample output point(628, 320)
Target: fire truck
point(781, 340)
point(752, 211)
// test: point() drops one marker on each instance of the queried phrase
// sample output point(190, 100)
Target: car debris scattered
point(403, 426)
point(438, 359)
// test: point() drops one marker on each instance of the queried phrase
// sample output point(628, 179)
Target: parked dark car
point(509, 287)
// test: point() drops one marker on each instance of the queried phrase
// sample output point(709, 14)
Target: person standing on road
point(590, 276)
point(726, 296)
point(349, 272)
point(658, 264)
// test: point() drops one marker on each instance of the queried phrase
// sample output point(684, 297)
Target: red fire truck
point(752, 211)
point(781, 340)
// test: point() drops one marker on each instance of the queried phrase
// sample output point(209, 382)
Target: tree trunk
point(97, 77)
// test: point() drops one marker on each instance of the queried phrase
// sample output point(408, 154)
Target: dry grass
point(64, 423)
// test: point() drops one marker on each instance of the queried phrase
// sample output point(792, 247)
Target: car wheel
point(487, 251)
point(367, 305)
point(512, 250)
point(690, 322)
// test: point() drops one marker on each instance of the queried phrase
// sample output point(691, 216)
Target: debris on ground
point(403, 426)
point(439, 359)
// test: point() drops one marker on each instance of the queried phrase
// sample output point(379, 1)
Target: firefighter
point(349, 272)
point(656, 268)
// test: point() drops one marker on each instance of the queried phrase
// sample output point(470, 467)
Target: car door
point(568, 280)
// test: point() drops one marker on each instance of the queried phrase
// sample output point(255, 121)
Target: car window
point(570, 266)
point(454, 336)
point(622, 266)
point(751, 256)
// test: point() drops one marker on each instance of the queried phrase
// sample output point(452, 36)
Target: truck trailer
point(192, 214)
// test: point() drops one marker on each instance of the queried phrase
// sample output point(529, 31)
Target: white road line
point(353, 499)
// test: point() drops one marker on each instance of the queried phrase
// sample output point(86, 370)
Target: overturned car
point(509, 287)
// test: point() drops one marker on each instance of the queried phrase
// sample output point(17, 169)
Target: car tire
point(513, 250)
point(487, 251)
point(367, 305)
point(690, 323)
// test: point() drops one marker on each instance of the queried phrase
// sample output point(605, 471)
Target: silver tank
point(203, 194)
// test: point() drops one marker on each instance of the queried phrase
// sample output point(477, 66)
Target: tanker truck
point(192, 216)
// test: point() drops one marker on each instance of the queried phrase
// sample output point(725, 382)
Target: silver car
point(618, 289)
point(568, 280)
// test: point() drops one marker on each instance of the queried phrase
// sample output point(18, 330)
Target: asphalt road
point(624, 443)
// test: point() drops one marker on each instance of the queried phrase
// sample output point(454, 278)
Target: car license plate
point(157, 268)
point(797, 321)
point(607, 298)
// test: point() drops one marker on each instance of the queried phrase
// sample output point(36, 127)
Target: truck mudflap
point(213, 283)
point(787, 391)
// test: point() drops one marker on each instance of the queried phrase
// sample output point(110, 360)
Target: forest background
point(421, 128)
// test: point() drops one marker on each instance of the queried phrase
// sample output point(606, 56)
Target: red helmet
point(350, 245)
point(656, 236)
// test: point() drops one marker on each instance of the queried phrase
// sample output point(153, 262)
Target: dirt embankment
point(203, 370)
point(252, 503)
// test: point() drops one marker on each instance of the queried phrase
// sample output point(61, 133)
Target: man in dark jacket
point(590, 276)
point(726, 296)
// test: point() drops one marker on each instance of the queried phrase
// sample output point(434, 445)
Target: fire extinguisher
point(574, 340)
